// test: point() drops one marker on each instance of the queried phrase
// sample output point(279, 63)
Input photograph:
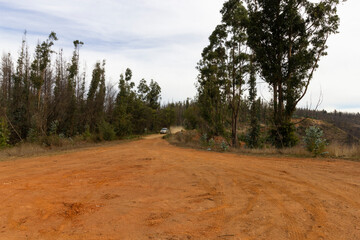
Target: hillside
point(348, 123)
point(332, 133)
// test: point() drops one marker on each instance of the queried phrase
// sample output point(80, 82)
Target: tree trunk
point(235, 141)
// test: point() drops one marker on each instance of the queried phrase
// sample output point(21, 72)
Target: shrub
point(283, 136)
point(86, 134)
point(204, 140)
point(224, 146)
point(32, 135)
point(4, 133)
point(54, 125)
point(106, 131)
point(211, 143)
point(313, 140)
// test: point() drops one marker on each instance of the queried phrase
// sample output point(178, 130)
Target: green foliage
point(204, 140)
point(106, 131)
point(123, 126)
point(314, 141)
point(86, 134)
point(42, 60)
point(4, 133)
point(54, 127)
point(42, 99)
point(153, 97)
point(288, 39)
point(96, 96)
point(224, 146)
point(32, 135)
point(253, 137)
point(211, 143)
point(223, 69)
point(192, 119)
point(283, 135)
point(167, 116)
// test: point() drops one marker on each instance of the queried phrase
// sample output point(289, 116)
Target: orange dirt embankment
point(149, 189)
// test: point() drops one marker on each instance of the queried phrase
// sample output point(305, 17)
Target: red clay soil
point(149, 189)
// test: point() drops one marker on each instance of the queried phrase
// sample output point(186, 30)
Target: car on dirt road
point(164, 131)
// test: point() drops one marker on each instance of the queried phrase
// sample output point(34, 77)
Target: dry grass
point(36, 149)
point(21, 150)
point(297, 151)
point(343, 151)
point(191, 139)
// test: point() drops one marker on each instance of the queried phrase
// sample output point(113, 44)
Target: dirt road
point(149, 189)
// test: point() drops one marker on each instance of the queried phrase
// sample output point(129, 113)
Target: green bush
point(32, 135)
point(313, 140)
point(224, 146)
point(4, 133)
point(211, 143)
point(106, 131)
point(204, 140)
point(54, 125)
point(86, 136)
point(283, 136)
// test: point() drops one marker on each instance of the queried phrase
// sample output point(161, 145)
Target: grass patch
point(192, 139)
point(27, 149)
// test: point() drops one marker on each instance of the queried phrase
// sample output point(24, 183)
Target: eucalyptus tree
point(96, 96)
point(7, 68)
point(153, 96)
point(289, 37)
point(224, 68)
point(125, 99)
point(72, 90)
point(19, 112)
point(40, 64)
point(253, 140)
point(41, 80)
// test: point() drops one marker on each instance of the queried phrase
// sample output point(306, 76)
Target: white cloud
point(163, 40)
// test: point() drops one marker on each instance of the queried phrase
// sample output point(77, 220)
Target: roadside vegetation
point(46, 101)
point(282, 44)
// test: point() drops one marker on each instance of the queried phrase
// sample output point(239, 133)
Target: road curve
point(149, 189)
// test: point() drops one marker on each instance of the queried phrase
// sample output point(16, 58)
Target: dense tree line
point(278, 41)
point(42, 94)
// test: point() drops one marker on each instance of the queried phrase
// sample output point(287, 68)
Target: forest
point(45, 98)
point(278, 42)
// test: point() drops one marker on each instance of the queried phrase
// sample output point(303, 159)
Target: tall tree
point(289, 37)
point(96, 96)
point(19, 112)
point(254, 133)
point(72, 91)
point(41, 81)
point(124, 105)
point(41, 62)
point(153, 96)
point(225, 64)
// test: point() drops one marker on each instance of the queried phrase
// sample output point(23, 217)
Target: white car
point(164, 131)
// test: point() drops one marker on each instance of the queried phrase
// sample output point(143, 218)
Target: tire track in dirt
point(310, 186)
point(314, 208)
point(149, 189)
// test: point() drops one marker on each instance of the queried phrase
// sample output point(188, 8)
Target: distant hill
point(338, 127)
point(331, 132)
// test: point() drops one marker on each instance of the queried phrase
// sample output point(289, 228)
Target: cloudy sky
point(163, 40)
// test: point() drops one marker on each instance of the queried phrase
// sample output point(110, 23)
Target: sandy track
point(150, 190)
